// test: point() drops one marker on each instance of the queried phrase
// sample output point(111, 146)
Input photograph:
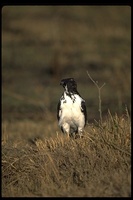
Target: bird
point(71, 109)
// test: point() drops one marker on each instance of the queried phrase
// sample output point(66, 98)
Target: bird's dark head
point(69, 85)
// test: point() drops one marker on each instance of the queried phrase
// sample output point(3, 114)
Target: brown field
point(40, 46)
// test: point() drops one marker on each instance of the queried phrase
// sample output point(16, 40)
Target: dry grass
point(98, 165)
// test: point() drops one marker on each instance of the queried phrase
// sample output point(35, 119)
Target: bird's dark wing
point(58, 110)
point(83, 109)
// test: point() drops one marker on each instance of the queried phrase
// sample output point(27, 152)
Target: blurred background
point(43, 44)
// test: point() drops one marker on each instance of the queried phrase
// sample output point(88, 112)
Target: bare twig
point(99, 95)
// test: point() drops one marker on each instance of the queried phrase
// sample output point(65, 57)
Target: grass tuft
point(97, 165)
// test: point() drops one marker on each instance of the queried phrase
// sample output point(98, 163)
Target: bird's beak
point(61, 83)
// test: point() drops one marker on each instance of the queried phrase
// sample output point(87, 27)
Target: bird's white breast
point(71, 110)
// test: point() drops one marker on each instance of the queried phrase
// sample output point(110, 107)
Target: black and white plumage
point(71, 109)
